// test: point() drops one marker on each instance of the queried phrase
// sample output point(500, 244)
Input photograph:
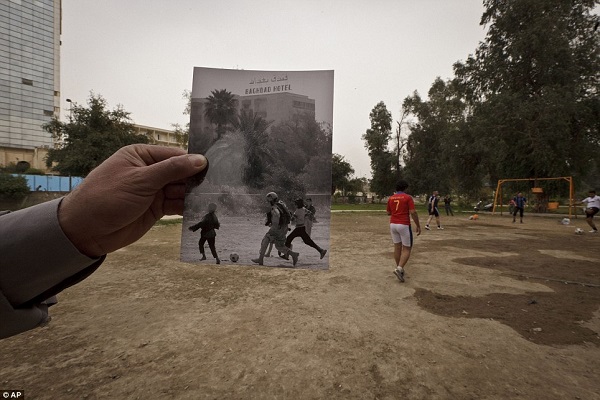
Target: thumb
point(174, 169)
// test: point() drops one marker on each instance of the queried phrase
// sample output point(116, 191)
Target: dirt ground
point(489, 310)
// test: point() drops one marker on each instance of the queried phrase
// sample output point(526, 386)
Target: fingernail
point(197, 160)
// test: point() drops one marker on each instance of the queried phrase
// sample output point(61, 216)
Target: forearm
point(415, 217)
point(38, 261)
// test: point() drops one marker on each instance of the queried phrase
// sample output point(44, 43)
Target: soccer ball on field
point(234, 257)
point(579, 231)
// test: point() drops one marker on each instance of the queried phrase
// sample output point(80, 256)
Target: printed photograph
point(265, 198)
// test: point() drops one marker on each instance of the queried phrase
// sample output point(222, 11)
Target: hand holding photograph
point(267, 136)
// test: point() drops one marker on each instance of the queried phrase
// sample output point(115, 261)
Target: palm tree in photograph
point(220, 109)
point(254, 129)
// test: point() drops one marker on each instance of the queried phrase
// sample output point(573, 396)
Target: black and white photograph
point(265, 198)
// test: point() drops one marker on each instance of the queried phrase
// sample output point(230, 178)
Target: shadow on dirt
point(548, 318)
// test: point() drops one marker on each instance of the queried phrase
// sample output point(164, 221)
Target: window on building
point(26, 81)
point(48, 113)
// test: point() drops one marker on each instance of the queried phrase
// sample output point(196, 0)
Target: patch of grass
point(354, 207)
point(167, 222)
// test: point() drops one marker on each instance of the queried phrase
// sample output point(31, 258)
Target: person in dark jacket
point(207, 227)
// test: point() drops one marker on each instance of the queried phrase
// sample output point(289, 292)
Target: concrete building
point(162, 137)
point(29, 78)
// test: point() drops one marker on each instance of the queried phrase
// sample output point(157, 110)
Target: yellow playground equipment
point(541, 203)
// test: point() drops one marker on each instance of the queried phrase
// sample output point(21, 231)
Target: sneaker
point(323, 252)
point(294, 258)
point(218, 261)
point(399, 274)
point(594, 231)
point(440, 228)
point(257, 261)
point(427, 227)
point(203, 257)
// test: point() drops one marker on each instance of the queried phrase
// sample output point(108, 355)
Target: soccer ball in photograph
point(234, 257)
point(579, 231)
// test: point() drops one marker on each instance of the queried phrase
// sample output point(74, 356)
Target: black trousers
point(211, 244)
point(300, 231)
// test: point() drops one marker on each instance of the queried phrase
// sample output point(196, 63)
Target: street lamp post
point(70, 108)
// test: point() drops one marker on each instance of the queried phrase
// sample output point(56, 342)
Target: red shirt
point(399, 206)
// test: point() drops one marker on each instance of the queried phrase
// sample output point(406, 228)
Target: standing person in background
point(511, 206)
point(400, 208)
point(432, 209)
point(520, 202)
point(593, 206)
point(310, 218)
point(447, 206)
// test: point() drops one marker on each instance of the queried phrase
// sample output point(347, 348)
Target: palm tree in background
point(254, 129)
point(221, 108)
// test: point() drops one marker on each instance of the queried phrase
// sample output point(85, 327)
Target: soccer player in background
point(593, 206)
point(432, 208)
point(520, 202)
point(400, 208)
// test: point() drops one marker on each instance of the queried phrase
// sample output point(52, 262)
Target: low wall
point(31, 199)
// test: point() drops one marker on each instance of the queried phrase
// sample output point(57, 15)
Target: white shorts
point(401, 234)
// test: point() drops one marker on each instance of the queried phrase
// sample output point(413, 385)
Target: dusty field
point(490, 310)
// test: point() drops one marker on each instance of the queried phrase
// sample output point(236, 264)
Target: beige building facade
point(162, 137)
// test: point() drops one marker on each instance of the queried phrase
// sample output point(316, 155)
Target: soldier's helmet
point(272, 196)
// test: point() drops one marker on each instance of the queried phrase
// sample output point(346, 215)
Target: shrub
point(13, 187)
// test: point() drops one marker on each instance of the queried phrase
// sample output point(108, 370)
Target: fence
point(51, 183)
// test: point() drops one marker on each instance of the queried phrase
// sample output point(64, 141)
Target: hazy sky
point(141, 53)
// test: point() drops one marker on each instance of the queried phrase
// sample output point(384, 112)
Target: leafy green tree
point(382, 160)
point(91, 135)
point(341, 170)
point(356, 185)
point(221, 109)
point(182, 133)
point(532, 88)
point(432, 159)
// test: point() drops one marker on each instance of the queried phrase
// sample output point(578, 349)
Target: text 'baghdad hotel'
point(274, 102)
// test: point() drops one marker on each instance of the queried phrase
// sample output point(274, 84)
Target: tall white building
point(29, 78)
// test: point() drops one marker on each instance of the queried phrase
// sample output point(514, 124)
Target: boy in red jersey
point(400, 208)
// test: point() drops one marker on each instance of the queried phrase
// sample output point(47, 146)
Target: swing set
point(541, 203)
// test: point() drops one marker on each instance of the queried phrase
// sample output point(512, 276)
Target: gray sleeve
point(37, 261)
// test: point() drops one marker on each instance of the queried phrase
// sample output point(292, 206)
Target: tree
point(532, 88)
point(432, 160)
point(382, 160)
point(91, 135)
point(258, 153)
point(341, 170)
point(401, 142)
point(221, 108)
point(182, 133)
point(13, 187)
